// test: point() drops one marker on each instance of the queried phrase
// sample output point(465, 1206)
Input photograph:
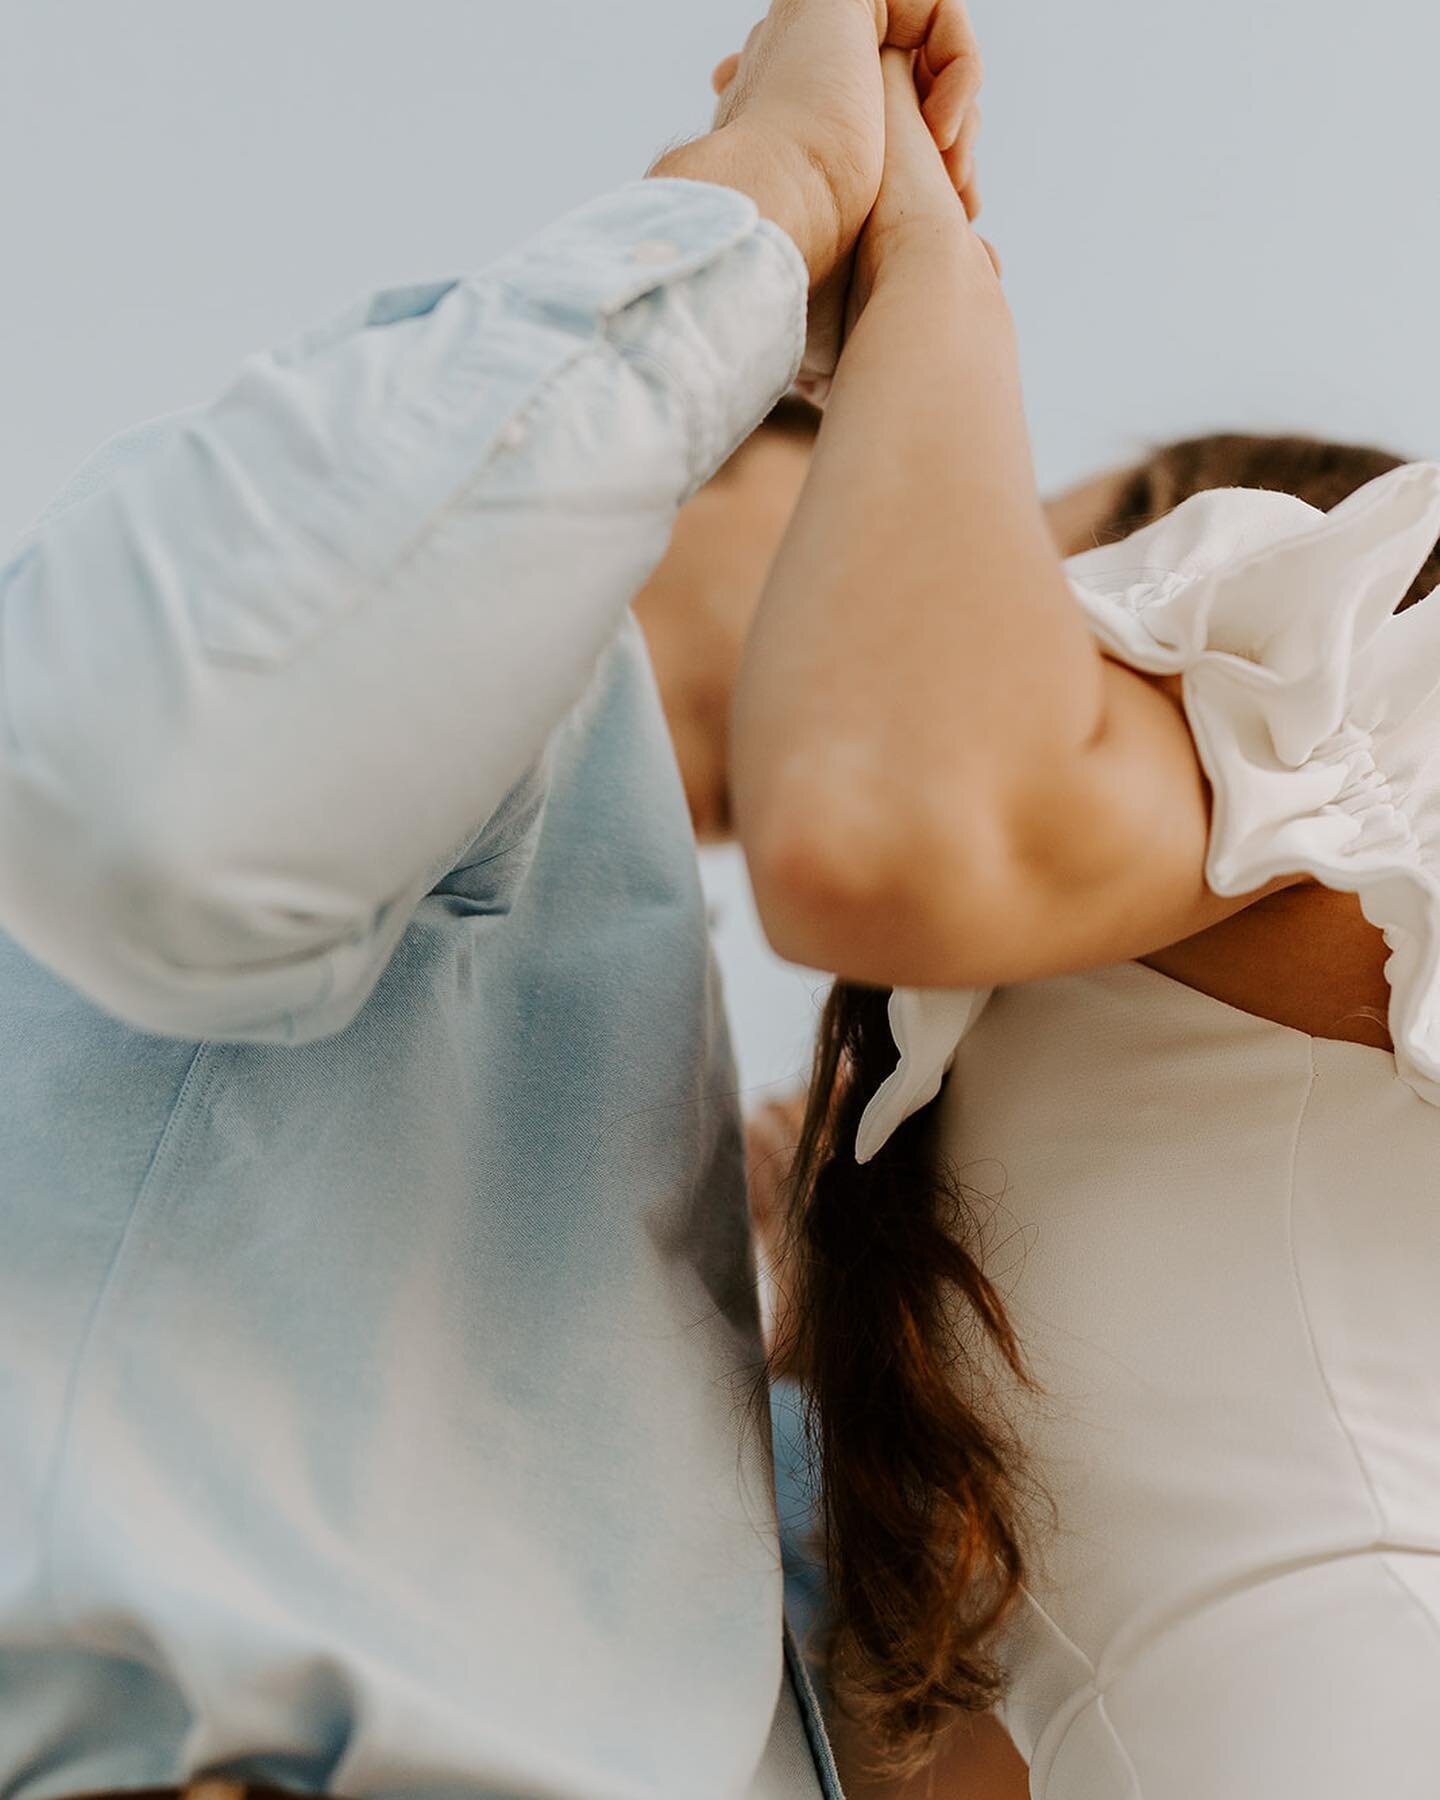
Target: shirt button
point(654, 251)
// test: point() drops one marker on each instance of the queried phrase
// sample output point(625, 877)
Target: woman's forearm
point(917, 650)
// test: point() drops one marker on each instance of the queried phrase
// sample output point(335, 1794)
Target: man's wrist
point(785, 188)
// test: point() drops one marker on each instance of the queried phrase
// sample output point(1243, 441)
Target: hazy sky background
point(1211, 216)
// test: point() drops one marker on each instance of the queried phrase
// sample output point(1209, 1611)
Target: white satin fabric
point(1220, 1238)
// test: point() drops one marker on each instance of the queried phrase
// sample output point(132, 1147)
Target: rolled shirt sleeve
point(261, 680)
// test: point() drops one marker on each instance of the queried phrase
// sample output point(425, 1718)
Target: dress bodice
point(1220, 1244)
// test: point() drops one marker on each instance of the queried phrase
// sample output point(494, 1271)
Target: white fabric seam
point(1104, 1711)
point(1332, 1400)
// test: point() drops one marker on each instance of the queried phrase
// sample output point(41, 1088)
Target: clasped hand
point(873, 111)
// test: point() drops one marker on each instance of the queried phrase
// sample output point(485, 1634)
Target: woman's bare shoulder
point(1306, 957)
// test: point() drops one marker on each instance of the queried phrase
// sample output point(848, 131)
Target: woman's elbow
point(887, 888)
point(818, 895)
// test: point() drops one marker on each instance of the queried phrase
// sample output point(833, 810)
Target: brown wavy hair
point(888, 1306)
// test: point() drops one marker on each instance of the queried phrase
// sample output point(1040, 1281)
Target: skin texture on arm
point(938, 778)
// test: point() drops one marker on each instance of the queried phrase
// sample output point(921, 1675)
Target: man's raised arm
point(261, 685)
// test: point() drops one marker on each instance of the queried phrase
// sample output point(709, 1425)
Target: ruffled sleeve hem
point(1313, 706)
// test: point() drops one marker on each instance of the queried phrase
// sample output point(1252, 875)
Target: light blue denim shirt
point(376, 1323)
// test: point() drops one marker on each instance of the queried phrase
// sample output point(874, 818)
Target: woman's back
point(1219, 1242)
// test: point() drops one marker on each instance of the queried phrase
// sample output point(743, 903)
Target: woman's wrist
point(931, 257)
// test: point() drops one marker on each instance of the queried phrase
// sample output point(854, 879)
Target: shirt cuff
point(608, 254)
point(688, 278)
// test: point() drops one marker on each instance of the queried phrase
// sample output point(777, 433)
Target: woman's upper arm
point(1110, 863)
point(1102, 862)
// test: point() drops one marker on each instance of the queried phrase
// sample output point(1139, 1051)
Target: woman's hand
point(809, 83)
point(926, 197)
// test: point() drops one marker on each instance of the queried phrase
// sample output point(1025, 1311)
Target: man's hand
point(948, 74)
point(801, 127)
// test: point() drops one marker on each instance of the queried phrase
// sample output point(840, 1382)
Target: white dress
point(1220, 1238)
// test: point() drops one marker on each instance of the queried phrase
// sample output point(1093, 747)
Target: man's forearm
point(768, 171)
